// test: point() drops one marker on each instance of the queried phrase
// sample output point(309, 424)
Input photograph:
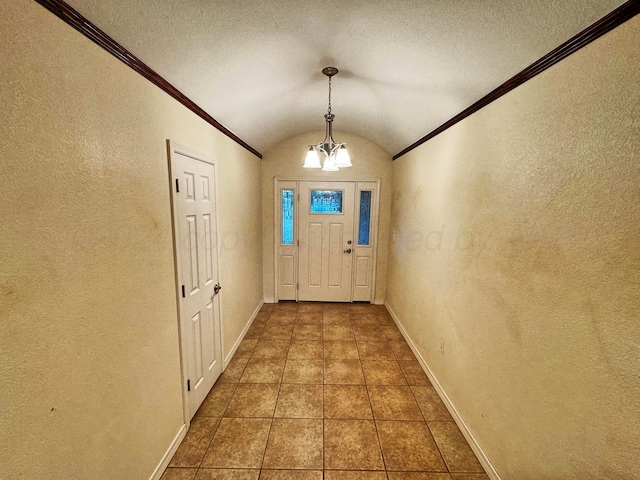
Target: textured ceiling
point(405, 66)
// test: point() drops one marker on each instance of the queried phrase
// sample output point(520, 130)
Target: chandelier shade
point(334, 155)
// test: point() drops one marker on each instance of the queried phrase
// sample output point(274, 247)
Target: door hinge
point(188, 385)
point(177, 185)
point(183, 292)
point(297, 286)
point(298, 242)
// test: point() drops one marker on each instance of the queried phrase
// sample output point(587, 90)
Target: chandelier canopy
point(334, 155)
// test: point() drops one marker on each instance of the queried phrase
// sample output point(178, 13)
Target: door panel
point(362, 272)
point(196, 240)
point(286, 239)
point(325, 266)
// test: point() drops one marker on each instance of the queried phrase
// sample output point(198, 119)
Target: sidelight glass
point(287, 217)
point(364, 222)
point(326, 201)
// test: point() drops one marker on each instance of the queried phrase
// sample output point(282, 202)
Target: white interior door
point(197, 261)
point(326, 241)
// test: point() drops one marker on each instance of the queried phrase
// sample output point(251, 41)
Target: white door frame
point(175, 148)
point(289, 183)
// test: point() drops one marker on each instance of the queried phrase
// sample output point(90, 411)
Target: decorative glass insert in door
point(287, 217)
point(326, 201)
point(364, 222)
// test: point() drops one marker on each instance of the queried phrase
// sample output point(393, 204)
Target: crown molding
point(70, 16)
point(607, 23)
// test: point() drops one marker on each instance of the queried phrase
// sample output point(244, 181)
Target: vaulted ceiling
point(406, 66)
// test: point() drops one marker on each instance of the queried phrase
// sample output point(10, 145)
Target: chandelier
point(334, 154)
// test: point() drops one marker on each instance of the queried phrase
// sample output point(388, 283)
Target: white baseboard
point(241, 337)
point(162, 466)
point(269, 300)
point(484, 460)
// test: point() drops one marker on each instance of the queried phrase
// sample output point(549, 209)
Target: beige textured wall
point(89, 362)
point(285, 160)
point(517, 241)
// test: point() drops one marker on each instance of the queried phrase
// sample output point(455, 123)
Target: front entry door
point(196, 251)
point(326, 241)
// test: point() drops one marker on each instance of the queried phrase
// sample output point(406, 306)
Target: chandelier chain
point(329, 110)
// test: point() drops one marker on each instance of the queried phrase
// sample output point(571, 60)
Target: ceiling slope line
point(70, 16)
point(617, 17)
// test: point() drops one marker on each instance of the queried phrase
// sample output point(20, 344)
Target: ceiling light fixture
point(335, 154)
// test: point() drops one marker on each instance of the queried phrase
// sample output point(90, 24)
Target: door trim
point(176, 148)
point(277, 226)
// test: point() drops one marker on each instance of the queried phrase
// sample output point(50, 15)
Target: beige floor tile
point(277, 332)
point(245, 349)
point(271, 348)
point(369, 332)
point(288, 307)
point(392, 333)
point(179, 474)
point(354, 475)
point(335, 308)
point(305, 349)
point(261, 319)
point(217, 400)
point(307, 332)
point(432, 407)
point(233, 371)
point(361, 308)
point(253, 400)
point(302, 370)
point(336, 318)
point(343, 372)
point(195, 444)
point(351, 445)
point(393, 402)
point(413, 372)
point(299, 401)
point(255, 330)
point(339, 414)
point(291, 475)
point(380, 310)
point(470, 476)
point(347, 402)
point(227, 474)
point(309, 319)
point(418, 476)
point(337, 332)
point(369, 350)
point(402, 351)
point(408, 446)
point(293, 444)
point(312, 307)
point(383, 372)
point(238, 443)
point(266, 308)
point(341, 350)
point(263, 370)
point(385, 320)
point(364, 319)
point(282, 318)
point(455, 449)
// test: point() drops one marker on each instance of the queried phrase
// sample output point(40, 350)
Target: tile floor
point(327, 391)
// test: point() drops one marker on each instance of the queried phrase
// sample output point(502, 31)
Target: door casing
point(280, 183)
